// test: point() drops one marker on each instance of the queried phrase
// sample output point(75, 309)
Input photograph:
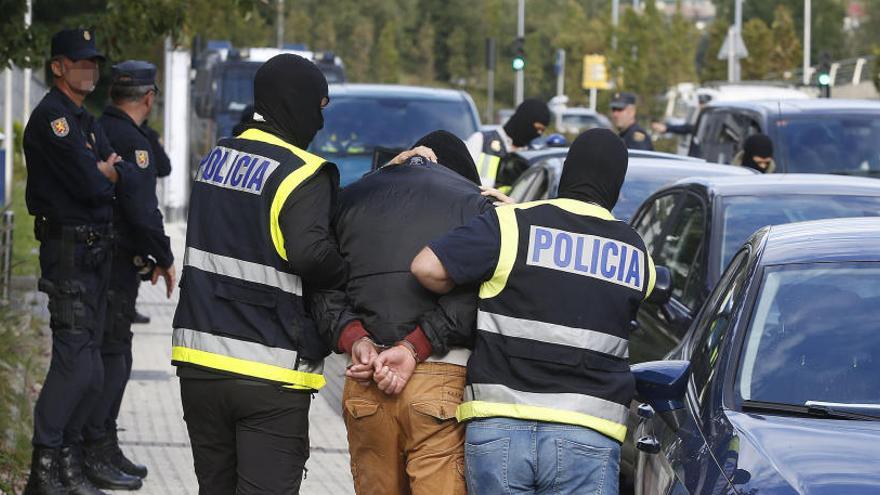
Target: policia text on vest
point(234, 295)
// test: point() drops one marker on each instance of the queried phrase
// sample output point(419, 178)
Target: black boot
point(44, 478)
point(103, 473)
point(118, 459)
point(71, 464)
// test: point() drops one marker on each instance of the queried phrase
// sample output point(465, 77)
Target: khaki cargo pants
point(408, 443)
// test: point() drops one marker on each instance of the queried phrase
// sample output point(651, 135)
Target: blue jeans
point(512, 456)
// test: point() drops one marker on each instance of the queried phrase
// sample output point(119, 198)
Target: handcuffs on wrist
point(381, 347)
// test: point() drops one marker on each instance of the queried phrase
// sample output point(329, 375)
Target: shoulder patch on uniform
point(495, 145)
point(142, 158)
point(60, 127)
point(639, 136)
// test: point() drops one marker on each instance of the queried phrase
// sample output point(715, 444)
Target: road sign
point(595, 75)
point(739, 47)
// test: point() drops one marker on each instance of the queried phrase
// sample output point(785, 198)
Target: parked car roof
point(794, 106)
point(389, 90)
point(785, 183)
point(840, 239)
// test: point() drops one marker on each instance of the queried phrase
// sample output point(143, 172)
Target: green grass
point(22, 365)
point(25, 249)
point(23, 350)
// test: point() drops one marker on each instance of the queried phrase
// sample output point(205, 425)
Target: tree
point(680, 48)
point(425, 51)
point(713, 69)
point(357, 50)
point(787, 51)
point(457, 64)
point(386, 59)
point(759, 41)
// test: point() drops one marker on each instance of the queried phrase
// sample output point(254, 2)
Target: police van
point(223, 87)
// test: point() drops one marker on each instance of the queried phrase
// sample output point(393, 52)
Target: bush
point(22, 364)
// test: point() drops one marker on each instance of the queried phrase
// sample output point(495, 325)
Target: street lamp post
point(808, 21)
point(520, 34)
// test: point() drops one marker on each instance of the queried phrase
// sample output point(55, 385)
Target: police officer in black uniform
point(623, 115)
point(140, 236)
point(70, 188)
point(258, 240)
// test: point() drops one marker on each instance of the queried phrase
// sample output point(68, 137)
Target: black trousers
point(247, 437)
point(75, 275)
point(116, 346)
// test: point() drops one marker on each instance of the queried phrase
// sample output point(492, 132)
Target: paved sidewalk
point(152, 417)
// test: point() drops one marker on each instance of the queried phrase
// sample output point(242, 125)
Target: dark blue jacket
point(137, 219)
point(62, 146)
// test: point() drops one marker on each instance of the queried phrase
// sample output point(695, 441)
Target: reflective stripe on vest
point(487, 165)
point(551, 333)
point(242, 270)
point(312, 164)
point(483, 400)
point(244, 358)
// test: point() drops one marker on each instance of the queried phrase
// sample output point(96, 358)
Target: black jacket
point(382, 223)
point(137, 220)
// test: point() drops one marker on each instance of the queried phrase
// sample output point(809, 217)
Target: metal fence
point(850, 71)
point(6, 232)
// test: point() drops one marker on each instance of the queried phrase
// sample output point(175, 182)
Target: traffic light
point(824, 75)
point(519, 55)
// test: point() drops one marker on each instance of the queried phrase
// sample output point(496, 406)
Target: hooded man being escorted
point(489, 146)
point(548, 383)
point(408, 346)
point(246, 350)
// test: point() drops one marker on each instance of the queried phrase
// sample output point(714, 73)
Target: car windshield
point(743, 215)
point(815, 337)
point(634, 191)
point(238, 86)
point(355, 125)
point(848, 144)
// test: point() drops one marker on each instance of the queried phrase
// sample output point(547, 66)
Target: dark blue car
point(776, 387)
point(362, 117)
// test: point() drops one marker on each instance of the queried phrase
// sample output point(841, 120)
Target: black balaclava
point(288, 90)
point(452, 153)
point(756, 145)
point(521, 125)
point(595, 168)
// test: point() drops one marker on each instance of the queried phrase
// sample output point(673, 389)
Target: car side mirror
point(662, 384)
point(662, 286)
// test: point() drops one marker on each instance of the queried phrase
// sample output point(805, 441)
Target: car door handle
point(648, 444)
point(645, 411)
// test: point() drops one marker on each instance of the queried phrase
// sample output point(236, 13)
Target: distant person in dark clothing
point(757, 154)
point(382, 222)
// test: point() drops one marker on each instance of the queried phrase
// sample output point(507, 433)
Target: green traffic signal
point(824, 79)
point(519, 63)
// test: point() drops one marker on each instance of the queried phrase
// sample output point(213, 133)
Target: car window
point(520, 192)
point(814, 336)
point(355, 125)
point(713, 323)
point(654, 217)
point(541, 186)
point(829, 143)
point(682, 248)
point(708, 138)
point(743, 215)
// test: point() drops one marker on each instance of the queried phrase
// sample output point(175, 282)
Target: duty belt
point(89, 233)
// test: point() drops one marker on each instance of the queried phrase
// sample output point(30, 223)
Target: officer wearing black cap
point(140, 236)
point(70, 188)
point(623, 115)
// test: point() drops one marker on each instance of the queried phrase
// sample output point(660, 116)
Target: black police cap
point(75, 44)
point(134, 73)
point(622, 99)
